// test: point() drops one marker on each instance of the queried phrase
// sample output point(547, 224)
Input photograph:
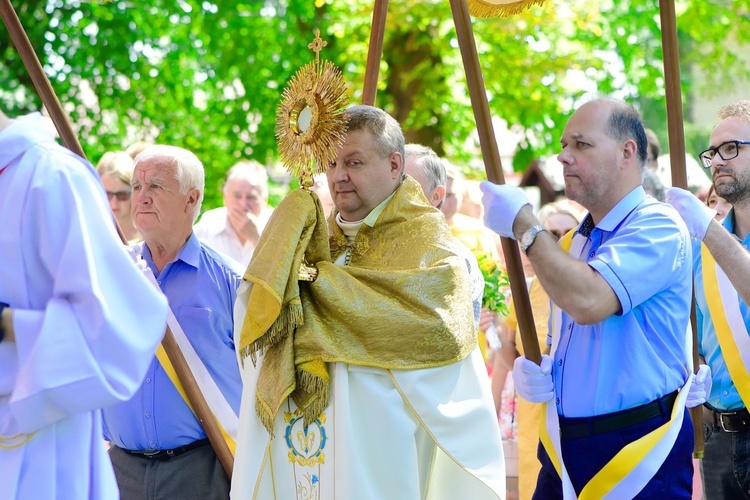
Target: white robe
point(411, 434)
point(86, 321)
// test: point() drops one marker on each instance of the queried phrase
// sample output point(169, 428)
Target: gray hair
point(430, 164)
point(383, 127)
point(190, 173)
point(652, 184)
point(250, 170)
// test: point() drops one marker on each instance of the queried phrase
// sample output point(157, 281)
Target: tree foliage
point(208, 75)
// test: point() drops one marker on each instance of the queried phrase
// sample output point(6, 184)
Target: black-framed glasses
point(727, 150)
point(120, 195)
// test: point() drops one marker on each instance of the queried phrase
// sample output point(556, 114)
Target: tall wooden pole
point(494, 169)
point(375, 52)
point(677, 162)
point(68, 136)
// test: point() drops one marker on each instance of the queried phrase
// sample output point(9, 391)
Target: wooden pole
point(60, 119)
point(494, 169)
point(375, 52)
point(677, 162)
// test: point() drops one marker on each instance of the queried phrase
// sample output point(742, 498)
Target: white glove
point(700, 388)
point(694, 212)
point(501, 206)
point(534, 382)
point(139, 262)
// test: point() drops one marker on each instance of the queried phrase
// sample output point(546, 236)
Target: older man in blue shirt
point(160, 448)
point(618, 329)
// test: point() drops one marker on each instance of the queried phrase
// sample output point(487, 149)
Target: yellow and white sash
point(731, 331)
point(636, 464)
point(226, 418)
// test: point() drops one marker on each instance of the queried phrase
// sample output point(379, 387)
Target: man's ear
point(397, 164)
point(437, 196)
point(630, 151)
point(193, 196)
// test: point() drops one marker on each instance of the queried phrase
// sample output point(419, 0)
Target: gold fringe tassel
point(478, 8)
point(289, 318)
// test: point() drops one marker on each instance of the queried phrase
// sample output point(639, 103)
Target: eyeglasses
point(559, 234)
point(120, 195)
point(727, 150)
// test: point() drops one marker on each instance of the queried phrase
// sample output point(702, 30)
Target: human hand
point(502, 203)
point(696, 215)
point(700, 387)
point(245, 224)
point(137, 259)
point(486, 319)
point(534, 382)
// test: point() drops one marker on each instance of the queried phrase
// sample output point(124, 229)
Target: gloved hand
point(501, 206)
point(534, 382)
point(139, 262)
point(700, 388)
point(694, 212)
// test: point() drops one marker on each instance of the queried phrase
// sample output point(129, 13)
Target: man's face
point(158, 208)
point(732, 177)
point(243, 195)
point(361, 178)
point(589, 156)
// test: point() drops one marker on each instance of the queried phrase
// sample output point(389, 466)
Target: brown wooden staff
point(677, 163)
point(494, 169)
point(374, 52)
point(69, 139)
point(492, 163)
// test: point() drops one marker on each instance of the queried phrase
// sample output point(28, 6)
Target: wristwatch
point(528, 238)
point(3, 305)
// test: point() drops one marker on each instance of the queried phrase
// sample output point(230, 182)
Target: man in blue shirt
point(722, 295)
point(618, 329)
point(160, 447)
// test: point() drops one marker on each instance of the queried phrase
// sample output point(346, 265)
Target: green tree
point(208, 75)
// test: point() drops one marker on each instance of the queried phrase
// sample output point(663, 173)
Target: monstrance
point(310, 124)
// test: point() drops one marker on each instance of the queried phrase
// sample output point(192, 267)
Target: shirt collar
point(615, 216)
point(189, 253)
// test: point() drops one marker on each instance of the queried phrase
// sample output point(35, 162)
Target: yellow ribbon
point(729, 348)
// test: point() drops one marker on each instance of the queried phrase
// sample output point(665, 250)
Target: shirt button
point(148, 414)
point(148, 380)
point(159, 282)
point(153, 446)
point(725, 393)
point(559, 363)
point(591, 255)
point(570, 326)
point(557, 401)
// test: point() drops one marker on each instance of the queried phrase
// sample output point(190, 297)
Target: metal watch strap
point(529, 237)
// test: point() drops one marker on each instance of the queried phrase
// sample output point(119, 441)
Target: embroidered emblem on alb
point(306, 444)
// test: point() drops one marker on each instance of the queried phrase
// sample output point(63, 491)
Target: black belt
point(167, 454)
point(731, 421)
point(579, 427)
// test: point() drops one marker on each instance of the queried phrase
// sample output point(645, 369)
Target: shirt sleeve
point(94, 321)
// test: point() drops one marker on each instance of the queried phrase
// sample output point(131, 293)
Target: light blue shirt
point(201, 288)
point(724, 395)
point(642, 249)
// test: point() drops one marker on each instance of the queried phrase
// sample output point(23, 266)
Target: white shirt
point(214, 230)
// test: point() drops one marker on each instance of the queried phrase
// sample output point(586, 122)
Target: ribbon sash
point(633, 466)
point(731, 331)
point(226, 418)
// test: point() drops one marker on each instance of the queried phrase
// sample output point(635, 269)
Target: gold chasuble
point(403, 302)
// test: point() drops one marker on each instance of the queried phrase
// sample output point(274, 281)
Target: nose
point(564, 156)
point(339, 173)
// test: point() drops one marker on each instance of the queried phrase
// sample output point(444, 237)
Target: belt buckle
point(151, 454)
point(721, 420)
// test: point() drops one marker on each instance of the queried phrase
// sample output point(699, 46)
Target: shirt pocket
point(197, 323)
